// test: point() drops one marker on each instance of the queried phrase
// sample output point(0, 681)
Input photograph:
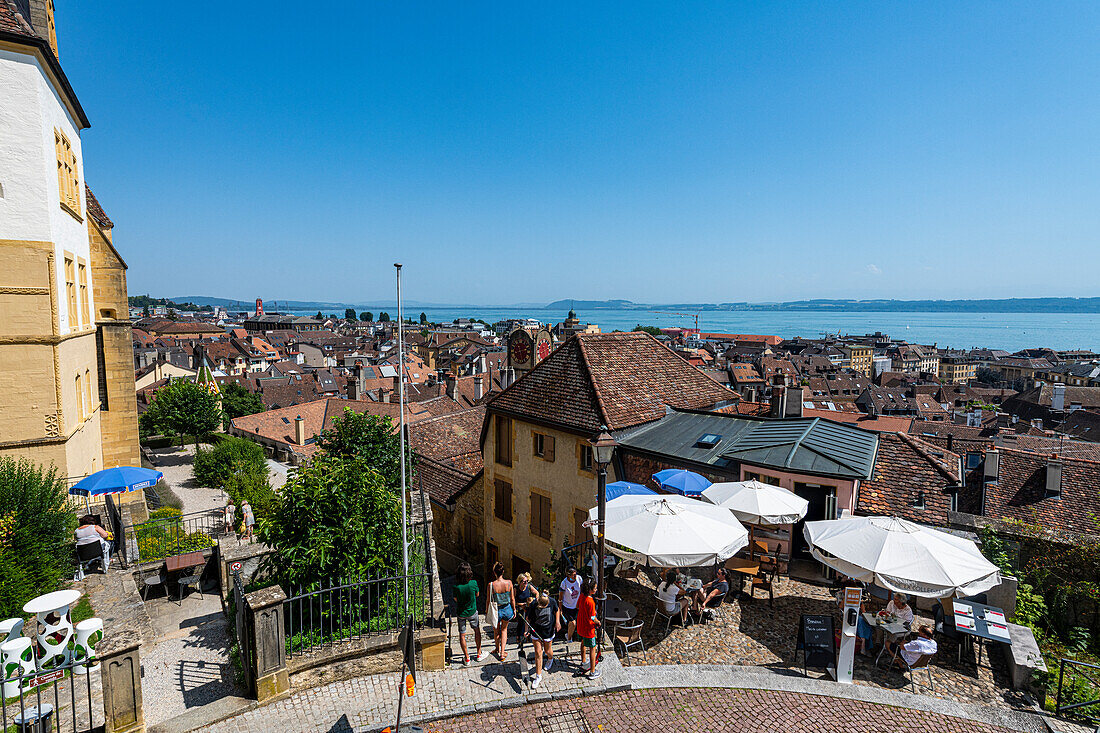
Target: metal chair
point(667, 615)
point(765, 581)
point(628, 636)
point(149, 580)
point(192, 580)
point(87, 554)
point(924, 662)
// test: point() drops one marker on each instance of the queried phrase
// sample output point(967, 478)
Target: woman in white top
point(899, 606)
point(89, 532)
point(671, 593)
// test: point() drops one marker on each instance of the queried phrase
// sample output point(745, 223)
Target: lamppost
point(603, 446)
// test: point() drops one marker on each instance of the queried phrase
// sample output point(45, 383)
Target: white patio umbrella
point(670, 531)
point(902, 556)
point(756, 502)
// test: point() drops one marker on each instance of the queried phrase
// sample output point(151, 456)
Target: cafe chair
point(946, 627)
point(628, 636)
point(764, 581)
point(194, 580)
point(925, 663)
point(660, 612)
point(152, 579)
point(86, 555)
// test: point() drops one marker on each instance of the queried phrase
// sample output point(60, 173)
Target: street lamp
point(603, 446)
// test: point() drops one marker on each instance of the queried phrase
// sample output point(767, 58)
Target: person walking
point(526, 595)
point(588, 625)
point(502, 593)
point(249, 519)
point(569, 593)
point(230, 514)
point(466, 593)
point(545, 622)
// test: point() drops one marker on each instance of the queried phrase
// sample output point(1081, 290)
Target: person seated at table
point(899, 606)
point(672, 594)
point(713, 593)
point(913, 650)
point(865, 633)
point(89, 532)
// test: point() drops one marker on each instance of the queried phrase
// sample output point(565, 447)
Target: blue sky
point(649, 151)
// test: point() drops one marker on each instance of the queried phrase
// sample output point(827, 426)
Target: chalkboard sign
point(817, 641)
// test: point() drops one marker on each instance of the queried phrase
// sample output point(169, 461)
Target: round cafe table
point(55, 629)
point(618, 611)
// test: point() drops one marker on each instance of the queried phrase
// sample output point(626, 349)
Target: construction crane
point(686, 315)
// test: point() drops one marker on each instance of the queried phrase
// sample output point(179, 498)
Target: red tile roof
point(613, 379)
point(96, 211)
point(12, 21)
point(1020, 492)
point(881, 424)
point(904, 466)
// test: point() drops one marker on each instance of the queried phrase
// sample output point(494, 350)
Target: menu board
point(817, 640)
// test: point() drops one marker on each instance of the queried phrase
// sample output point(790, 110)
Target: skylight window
point(708, 440)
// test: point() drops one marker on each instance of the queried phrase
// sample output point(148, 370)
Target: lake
point(1009, 331)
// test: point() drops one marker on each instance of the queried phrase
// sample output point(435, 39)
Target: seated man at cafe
point(713, 593)
point(912, 651)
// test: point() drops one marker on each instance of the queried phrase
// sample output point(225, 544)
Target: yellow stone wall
point(120, 418)
point(568, 487)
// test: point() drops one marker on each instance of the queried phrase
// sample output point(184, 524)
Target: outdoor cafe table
point(618, 611)
point(981, 622)
point(177, 563)
point(743, 568)
point(895, 630)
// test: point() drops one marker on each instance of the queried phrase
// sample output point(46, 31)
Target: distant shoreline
point(1004, 305)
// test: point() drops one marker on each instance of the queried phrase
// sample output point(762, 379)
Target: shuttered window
point(504, 441)
point(502, 505)
point(543, 446)
point(540, 515)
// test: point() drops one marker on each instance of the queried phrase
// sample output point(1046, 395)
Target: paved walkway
point(489, 696)
point(746, 711)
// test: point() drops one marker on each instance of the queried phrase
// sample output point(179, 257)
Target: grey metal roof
point(813, 445)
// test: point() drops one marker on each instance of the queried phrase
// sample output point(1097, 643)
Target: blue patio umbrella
point(116, 481)
point(618, 488)
point(681, 481)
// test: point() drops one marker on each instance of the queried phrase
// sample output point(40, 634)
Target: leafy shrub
point(213, 467)
point(36, 533)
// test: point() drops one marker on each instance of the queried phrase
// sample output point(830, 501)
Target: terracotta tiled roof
point(1020, 492)
point(96, 211)
point(615, 379)
point(443, 483)
point(905, 466)
point(12, 21)
point(880, 424)
point(186, 327)
point(444, 437)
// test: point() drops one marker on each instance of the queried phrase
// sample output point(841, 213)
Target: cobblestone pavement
point(746, 711)
point(369, 701)
point(758, 633)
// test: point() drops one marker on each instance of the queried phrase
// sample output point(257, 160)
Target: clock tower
point(525, 349)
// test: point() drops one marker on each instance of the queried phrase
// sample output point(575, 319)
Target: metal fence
point(1078, 690)
point(54, 700)
point(161, 538)
point(245, 651)
point(355, 608)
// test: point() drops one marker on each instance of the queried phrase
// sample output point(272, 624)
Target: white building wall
point(31, 207)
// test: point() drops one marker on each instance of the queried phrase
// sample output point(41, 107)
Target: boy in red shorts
point(587, 625)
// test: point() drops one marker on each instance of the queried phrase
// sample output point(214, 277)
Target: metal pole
point(600, 551)
point(401, 421)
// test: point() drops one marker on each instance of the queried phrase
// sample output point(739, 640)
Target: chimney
point(452, 384)
point(353, 389)
point(779, 401)
point(482, 364)
point(1054, 478)
point(795, 396)
point(1058, 400)
point(950, 442)
point(992, 465)
point(383, 395)
point(299, 430)
point(479, 387)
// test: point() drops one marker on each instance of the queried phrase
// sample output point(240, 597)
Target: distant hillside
point(1005, 305)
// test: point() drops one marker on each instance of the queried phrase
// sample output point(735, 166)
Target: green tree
point(238, 401)
point(349, 314)
point(36, 533)
point(423, 317)
point(145, 311)
point(371, 437)
point(213, 467)
point(336, 517)
point(182, 408)
point(319, 317)
point(651, 330)
point(985, 375)
point(366, 316)
point(383, 317)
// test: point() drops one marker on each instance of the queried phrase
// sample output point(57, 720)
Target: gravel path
point(176, 465)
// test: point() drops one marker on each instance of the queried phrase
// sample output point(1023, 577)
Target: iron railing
point(161, 538)
point(1078, 691)
point(72, 703)
point(355, 608)
point(576, 555)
